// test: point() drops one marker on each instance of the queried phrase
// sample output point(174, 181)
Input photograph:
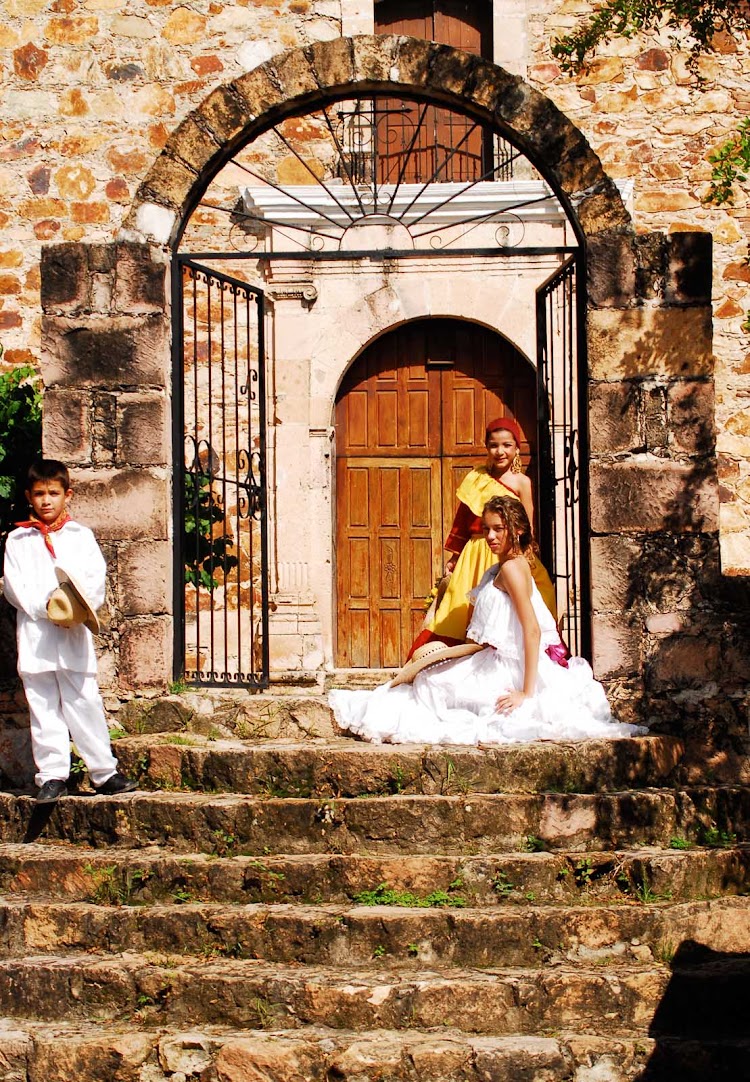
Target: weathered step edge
point(349, 768)
point(120, 876)
point(411, 938)
point(471, 824)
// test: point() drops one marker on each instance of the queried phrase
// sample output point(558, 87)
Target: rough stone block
point(374, 57)
point(653, 495)
point(140, 279)
point(603, 210)
point(169, 182)
point(617, 642)
point(498, 90)
point(117, 351)
point(331, 62)
point(64, 277)
point(611, 270)
point(145, 652)
point(451, 71)
point(123, 505)
point(254, 93)
point(253, 1059)
point(193, 145)
point(654, 407)
point(690, 416)
point(649, 342)
point(142, 429)
point(686, 660)
point(689, 268)
point(225, 113)
point(651, 256)
point(144, 572)
point(579, 169)
point(66, 422)
point(614, 573)
point(292, 73)
point(613, 417)
point(677, 572)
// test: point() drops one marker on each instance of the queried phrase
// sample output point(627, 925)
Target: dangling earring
point(516, 465)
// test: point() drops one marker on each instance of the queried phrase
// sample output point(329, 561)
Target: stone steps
point(42, 872)
point(348, 768)
point(228, 917)
point(617, 1001)
point(473, 824)
point(175, 990)
point(115, 1053)
point(59, 1053)
point(409, 936)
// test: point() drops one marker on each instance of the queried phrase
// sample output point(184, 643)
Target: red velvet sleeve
point(465, 525)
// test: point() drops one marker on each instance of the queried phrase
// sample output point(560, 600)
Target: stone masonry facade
point(665, 621)
point(662, 630)
point(92, 91)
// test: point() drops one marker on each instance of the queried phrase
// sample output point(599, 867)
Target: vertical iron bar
point(237, 496)
point(260, 306)
point(225, 615)
point(178, 473)
point(196, 466)
point(250, 514)
point(584, 579)
point(209, 451)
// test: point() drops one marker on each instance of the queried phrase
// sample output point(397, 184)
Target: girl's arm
point(526, 497)
point(516, 580)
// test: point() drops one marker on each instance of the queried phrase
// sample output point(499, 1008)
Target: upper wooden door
point(410, 420)
point(445, 146)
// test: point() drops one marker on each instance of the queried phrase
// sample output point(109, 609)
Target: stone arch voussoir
point(235, 112)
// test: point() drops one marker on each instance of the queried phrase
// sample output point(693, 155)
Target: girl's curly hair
point(515, 520)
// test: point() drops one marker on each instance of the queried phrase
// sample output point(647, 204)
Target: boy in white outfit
point(56, 661)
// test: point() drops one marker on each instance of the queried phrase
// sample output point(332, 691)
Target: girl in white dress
point(512, 681)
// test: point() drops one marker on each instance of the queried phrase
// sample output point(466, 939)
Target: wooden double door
point(410, 421)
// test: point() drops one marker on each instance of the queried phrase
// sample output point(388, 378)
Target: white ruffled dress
point(453, 701)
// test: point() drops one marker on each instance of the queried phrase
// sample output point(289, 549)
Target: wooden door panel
point(387, 556)
point(407, 430)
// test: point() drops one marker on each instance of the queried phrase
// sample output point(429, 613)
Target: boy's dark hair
point(48, 469)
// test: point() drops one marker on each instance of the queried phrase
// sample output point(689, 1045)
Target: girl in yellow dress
point(471, 555)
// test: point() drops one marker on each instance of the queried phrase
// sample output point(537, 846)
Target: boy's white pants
point(67, 706)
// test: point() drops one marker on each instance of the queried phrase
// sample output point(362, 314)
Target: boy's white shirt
point(30, 578)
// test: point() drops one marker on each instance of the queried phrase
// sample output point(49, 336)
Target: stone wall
point(106, 369)
point(645, 294)
point(92, 92)
point(670, 635)
point(649, 119)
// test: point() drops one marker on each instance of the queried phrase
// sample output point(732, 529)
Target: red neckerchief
point(46, 530)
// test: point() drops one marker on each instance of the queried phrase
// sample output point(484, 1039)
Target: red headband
point(506, 423)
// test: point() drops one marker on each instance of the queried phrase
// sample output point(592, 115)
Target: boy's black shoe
point(51, 791)
point(115, 785)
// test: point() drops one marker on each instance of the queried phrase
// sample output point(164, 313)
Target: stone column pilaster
point(106, 371)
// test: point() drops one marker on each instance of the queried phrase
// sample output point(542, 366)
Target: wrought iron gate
point(221, 566)
point(563, 450)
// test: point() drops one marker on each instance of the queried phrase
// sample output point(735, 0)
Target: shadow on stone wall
point(16, 763)
point(692, 622)
point(700, 1026)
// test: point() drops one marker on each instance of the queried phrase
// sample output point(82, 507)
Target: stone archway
point(237, 112)
point(648, 335)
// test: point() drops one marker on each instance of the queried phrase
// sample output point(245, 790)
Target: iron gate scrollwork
point(221, 566)
point(563, 450)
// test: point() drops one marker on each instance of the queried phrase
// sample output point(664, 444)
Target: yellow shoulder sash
point(478, 486)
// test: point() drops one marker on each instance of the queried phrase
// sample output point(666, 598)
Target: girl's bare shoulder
point(517, 482)
point(514, 572)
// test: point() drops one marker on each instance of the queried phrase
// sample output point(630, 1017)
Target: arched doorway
point(410, 420)
point(321, 220)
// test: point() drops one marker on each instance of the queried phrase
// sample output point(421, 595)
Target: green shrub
point(20, 440)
